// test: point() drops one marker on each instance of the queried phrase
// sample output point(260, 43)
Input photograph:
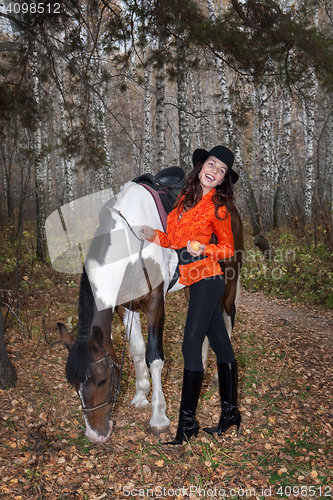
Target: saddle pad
point(161, 211)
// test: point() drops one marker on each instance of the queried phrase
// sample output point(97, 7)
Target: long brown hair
point(192, 194)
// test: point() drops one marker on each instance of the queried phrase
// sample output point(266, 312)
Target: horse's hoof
point(140, 400)
point(143, 403)
point(156, 431)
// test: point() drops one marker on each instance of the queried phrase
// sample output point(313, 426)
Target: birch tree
point(329, 156)
point(147, 165)
point(285, 164)
point(185, 159)
point(308, 111)
point(196, 110)
point(160, 108)
point(39, 164)
point(266, 198)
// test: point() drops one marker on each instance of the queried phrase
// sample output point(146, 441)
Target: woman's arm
point(224, 249)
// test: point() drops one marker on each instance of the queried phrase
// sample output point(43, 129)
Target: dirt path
point(315, 321)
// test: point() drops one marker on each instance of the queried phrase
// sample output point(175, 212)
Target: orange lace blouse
point(198, 223)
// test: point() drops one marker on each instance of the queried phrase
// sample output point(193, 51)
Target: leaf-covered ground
point(284, 449)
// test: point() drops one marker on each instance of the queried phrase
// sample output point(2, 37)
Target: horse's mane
point(79, 361)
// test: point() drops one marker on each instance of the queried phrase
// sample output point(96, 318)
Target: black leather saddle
point(168, 183)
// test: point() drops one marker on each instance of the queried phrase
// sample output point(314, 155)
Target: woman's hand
point(146, 232)
point(195, 253)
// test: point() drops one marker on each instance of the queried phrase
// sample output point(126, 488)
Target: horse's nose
point(96, 437)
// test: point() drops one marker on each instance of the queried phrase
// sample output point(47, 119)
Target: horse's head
point(92, 369)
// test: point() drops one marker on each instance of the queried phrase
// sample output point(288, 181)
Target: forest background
point(94, 93)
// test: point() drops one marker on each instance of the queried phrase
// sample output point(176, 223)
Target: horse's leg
point(230, 301)
point(154, 310)
point(204, 354)
point(137, 350)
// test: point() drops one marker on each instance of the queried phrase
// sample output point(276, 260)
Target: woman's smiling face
point(212, 174)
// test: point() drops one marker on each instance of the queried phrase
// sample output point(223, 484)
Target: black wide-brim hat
point(221, 153)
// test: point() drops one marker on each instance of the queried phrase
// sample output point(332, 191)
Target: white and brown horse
point(125, 274)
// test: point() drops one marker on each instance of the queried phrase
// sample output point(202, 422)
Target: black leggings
point(205, 317)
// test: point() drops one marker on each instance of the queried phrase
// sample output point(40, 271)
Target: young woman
point(201, 211)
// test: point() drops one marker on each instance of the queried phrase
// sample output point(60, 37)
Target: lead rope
point(118, 212)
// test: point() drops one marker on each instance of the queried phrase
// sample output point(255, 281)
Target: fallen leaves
point(285, 389)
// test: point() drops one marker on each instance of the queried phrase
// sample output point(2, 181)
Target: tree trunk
point(8, 375)
point(160, 112)
point(41, 250)
point(183, 115)
point(251, 202)
point(266, 197)
point(148, 123)
point(308, 129)
point(329, 157)
point(67, 167)
point(196, 111)
point(280, 199)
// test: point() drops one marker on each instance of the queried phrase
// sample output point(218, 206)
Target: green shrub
point(299, 270)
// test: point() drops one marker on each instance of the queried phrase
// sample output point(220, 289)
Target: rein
point(142, 241)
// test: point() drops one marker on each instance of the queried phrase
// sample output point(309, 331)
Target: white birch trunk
point(67, 161)
point(277, 146)
point(196, 111)
point(308, 130)
point(329, 155)
point(201, 97)
point(160, 113)
point(286, 145)
point(225, 102)
point(40, 175)
point(147, 165)
point(211, 10)
point(266, 198)
point(183, 116)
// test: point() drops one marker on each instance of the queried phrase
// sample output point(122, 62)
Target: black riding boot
point(187, 425)
point(228, 383)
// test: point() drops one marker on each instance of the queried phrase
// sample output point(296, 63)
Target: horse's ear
point(97, 335)
point(65, 336)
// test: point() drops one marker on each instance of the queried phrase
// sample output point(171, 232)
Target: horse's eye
point(102, 382)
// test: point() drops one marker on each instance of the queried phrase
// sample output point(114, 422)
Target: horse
point(125, 274)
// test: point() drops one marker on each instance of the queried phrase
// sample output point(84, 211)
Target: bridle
point(114, 392)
